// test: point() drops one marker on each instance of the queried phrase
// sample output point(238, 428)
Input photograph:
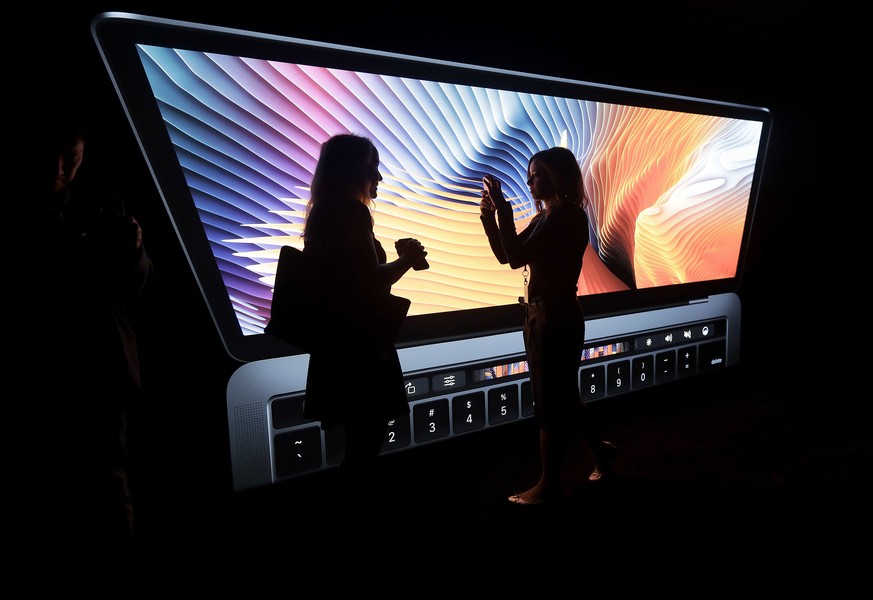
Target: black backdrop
point(751, 52)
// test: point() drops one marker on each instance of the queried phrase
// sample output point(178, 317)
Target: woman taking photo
point(551, 247)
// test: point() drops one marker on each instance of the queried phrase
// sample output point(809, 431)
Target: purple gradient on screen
point(669, 191)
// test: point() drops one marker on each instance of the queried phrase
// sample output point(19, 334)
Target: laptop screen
point(231, 123)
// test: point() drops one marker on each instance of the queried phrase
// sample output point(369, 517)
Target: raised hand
point(492, 194)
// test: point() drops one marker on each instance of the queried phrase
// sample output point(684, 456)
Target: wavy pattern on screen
point(668, 190)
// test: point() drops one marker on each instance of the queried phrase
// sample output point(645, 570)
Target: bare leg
point(602, 452)
point(603, 457)
point(551, 460)
point(357, 473)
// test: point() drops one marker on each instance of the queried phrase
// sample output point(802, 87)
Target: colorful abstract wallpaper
point(668, 191)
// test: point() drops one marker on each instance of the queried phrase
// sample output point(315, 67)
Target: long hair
point(344, 172)
point(563, 169)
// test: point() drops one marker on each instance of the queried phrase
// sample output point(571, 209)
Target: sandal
point(608, 452)
point(518, 500)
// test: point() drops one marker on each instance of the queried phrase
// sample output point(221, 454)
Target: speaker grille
point(250, 447)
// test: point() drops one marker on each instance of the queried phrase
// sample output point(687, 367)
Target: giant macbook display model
point(231, 123)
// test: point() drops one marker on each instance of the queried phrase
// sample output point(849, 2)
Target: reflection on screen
point(668, 191)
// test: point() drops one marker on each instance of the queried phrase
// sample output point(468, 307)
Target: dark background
point(773, 452)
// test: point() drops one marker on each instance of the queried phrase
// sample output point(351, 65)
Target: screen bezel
point(117, 36)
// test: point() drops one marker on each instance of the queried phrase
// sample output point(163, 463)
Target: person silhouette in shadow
point(338, 231)
point(89, 271)
point(550, 248)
